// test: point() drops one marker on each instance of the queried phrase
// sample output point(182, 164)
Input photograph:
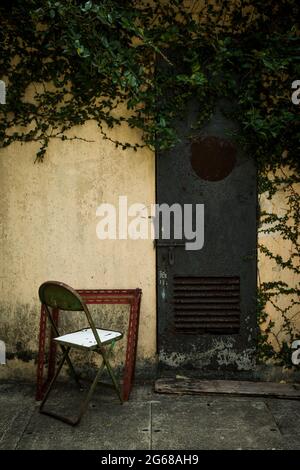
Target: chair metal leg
point(63, 348)
point(112, 376)
point(73, 373)
point(83, 407)
point(90, 392)
point(106, 363)
point(65, 355)
point(65, 419)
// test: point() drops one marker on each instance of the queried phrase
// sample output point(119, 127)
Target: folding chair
point(57, 295)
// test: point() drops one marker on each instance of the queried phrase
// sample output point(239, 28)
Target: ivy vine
point(88, 60)
point(275, 338)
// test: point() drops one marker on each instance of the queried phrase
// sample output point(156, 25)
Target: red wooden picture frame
point(130, 297)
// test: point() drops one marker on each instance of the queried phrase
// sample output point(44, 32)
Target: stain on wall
point(48, 231)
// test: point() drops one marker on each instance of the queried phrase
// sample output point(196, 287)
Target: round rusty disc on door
point(213, 158)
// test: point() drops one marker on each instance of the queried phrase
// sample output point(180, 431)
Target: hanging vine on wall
point(83, 59)
point(282, 297)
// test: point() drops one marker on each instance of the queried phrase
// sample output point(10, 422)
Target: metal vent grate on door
point(206, 305)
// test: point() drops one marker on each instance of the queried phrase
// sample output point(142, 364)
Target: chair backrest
point(56, 294)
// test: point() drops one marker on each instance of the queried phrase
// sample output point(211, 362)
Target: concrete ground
point(148, 421)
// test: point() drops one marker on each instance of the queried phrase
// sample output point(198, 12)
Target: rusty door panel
point(206, 299)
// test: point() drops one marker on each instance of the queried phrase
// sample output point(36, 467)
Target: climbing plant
point(282, 297)
point(66, 62)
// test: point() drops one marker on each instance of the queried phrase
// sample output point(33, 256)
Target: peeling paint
point(222, 353)
point(244, 360)
point(173, 360)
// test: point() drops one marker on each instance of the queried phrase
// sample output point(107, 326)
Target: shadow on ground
point(148, 421)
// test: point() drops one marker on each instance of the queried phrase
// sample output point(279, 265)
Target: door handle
point(170, 245)
point(167, 243)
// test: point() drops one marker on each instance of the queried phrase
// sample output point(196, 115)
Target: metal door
point(206, 298)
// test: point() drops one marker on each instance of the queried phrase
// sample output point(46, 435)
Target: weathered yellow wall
point(270, 271)
point(48, 231)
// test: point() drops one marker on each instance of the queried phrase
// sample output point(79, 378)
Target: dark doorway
point(206, 298)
